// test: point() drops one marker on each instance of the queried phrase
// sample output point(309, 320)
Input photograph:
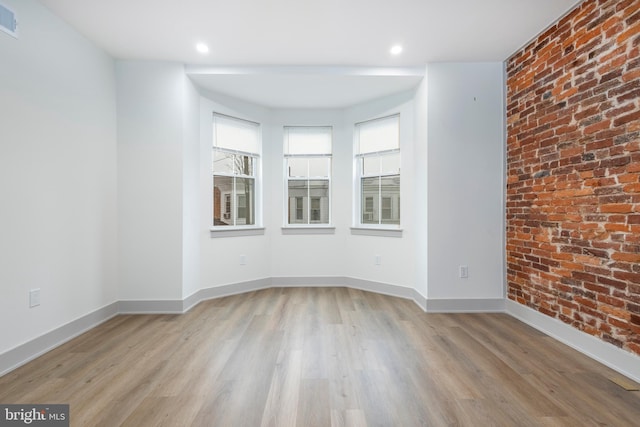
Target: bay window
point(307, 157)
point(378, 172)
point(236, 148)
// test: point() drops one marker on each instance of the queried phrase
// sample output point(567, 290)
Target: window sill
point(236, 232)
point(309, 230)
point(378, 232)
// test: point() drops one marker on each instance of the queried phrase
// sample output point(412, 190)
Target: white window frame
point(310, 225)
point(257, 185)
point(359, 225)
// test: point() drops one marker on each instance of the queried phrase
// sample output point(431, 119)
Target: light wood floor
point(321, 357)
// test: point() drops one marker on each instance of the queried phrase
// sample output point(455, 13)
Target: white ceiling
point(306, 86)
point(290, 53)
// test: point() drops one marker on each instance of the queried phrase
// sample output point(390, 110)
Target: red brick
point(616, 208)
point(597, 127)
point(632, 31)
point(614, 302)
point(624, 275)
point(627, 118)
point(631, 75)
point(621, 256)
point(632, 188)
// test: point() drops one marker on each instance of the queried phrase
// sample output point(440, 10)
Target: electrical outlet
point(464, 271)
point(243, 260)
point(377, 260)
point(34, 298)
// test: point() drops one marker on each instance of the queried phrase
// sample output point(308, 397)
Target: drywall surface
point(465, 179)
point(150, 178)
point(57, 176)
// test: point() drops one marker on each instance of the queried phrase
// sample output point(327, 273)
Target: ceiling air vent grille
point(8, 22)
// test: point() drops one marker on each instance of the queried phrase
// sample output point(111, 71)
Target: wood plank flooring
point(321, 357)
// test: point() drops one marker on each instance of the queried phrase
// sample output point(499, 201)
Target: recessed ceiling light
point(396, 50)
point(202, 48)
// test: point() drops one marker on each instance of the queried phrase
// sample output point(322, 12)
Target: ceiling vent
point(8, 22)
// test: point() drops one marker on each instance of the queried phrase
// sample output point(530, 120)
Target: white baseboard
point(622, 361)
point(313, 281)
point(472, 305)
point(379, 287)
point(150, 307)
point(18, 356)
point(224, 291)
point(354, 283)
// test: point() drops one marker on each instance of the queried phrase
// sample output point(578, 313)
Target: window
point(307, 157)
point(378, 171)
point(299, 209)
point(227, 206)
point(242, 207)
point(386, 212)
point(315, 209)
point(236, 144)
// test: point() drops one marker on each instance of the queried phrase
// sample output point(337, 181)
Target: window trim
point(242, 229)
point(381, 229)
point(233, 212)
point(310, 227)
point(235, 231)
point(377, 232)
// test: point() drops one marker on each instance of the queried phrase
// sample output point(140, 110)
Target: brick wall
point(573, 189)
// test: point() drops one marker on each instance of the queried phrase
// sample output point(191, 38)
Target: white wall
point(220, 256)
point(57, 176)
point(151, 103)
point(420, 188)
point(397, 254)
point(465, 173)
point(191, 190)
point(309, 255)
point(276, 254)
point(451, 189)
point(452, 157)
